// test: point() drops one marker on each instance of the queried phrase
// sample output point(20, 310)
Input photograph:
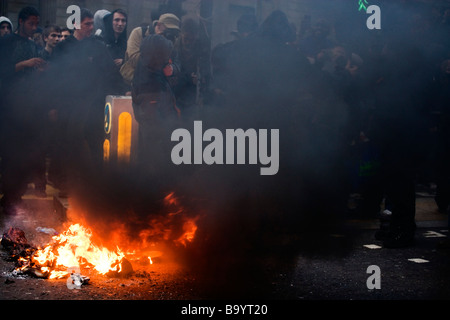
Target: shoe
point(399, 240)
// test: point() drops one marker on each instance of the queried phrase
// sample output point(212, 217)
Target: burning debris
point(57, 260)
point(73, 250)
point(15, 242)
point(19, 251)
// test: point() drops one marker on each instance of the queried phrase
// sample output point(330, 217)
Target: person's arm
point(30, 63)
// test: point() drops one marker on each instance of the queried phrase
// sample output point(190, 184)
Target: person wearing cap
point(155, 109)
point(167, 25)
point(6, 26)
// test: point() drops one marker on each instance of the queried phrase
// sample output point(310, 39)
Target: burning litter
point(76, 248)
point(71, 249)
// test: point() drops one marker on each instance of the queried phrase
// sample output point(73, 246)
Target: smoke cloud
point(269, 83)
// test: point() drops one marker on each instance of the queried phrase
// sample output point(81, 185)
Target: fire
point(189, 224)
point(170, 199)
point(74, 248)
point(189, 228)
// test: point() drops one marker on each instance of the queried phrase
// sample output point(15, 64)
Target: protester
point(21, 126)
point(112, 30)
point(52, 36)
point(153, 100)
point(65, 33)
point(396, 132)
point(5, 26)
point(167, 25)
point(247, 25)
point(155, 110)
point(87, 75)
point(188, 46)
point(317, 40)
point(38, 38)
point(99, 23)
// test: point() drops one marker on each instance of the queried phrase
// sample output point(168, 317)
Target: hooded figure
point(4, 22)
point(115, 40)
point(276, 28)
point(99, 25)
point(246, 25)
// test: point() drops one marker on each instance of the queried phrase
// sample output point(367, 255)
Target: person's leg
point(401, 192)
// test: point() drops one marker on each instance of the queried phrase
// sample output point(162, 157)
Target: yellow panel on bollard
point(121, 131)
point(125, 138)
point(106, 150)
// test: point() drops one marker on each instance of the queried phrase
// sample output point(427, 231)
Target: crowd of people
point(358, 116)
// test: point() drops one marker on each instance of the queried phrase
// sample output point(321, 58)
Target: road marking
point(372, 246)
point(433, 234)
point(418, 260)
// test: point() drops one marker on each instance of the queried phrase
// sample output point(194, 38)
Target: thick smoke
point(269, 84)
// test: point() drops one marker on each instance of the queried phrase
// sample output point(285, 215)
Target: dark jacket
point(17, 88)
point(13, 49)
point(88, 66)
point(153, 99)
point(85, 74)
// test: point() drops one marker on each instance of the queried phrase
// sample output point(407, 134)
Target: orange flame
point(189, 228)
point(74, 247)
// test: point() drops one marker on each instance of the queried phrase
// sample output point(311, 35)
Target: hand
point(118, 62)
point(37, 63)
